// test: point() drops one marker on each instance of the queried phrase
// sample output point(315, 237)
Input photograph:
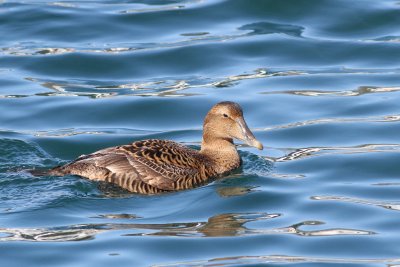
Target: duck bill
point(248, 136)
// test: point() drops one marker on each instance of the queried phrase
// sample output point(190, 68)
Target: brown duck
point(155, 166)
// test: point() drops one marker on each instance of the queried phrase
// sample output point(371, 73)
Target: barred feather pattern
point(148, 167)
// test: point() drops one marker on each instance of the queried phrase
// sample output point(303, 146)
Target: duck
point(155, 166)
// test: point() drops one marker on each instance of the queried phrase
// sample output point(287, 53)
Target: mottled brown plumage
point(155, 166)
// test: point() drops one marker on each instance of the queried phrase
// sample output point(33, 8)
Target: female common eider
point(155, 166)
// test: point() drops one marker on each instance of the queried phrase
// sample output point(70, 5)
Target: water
point(318, 81)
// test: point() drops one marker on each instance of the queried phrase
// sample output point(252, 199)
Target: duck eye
point(226, 116)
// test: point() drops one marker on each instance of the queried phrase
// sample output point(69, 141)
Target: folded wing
point(149, 166)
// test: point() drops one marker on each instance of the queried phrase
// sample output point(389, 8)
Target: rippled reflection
point(161, 88)
point(176, 87)
point(157, 9)
point(121, 7)
point(301, 153)
point(84, 131)
point(220, 225)
point(389, 39)
point(233, 191)
point(270, 28)
point(282, 259)
point(287, 176)
point(387, 184)
point(362, 90)
point(295, 229)
point(67, 132)
point(117, 216)
point(259, 28)
point(230, 224)
point(384, 118)
point(381, 204)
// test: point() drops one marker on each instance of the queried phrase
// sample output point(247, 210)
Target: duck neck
point(222, 154)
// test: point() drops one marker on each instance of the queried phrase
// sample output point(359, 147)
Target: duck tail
point(57, 171)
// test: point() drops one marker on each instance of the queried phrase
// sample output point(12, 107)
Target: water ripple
point(117, 216)
point(295, 229)
point(270, 28)
point(259, 28)
point(17, 154)
point(160, 87)
point(72, 132)
point(386, 205)
point(175, 87)
point(362, 90)
point(68, 132)
point(301, 153)
point(119, 7)
point(388, 39)
point(230, 224)
point(384, 118)
point(281, 259)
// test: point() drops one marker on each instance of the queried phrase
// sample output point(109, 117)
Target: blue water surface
point(319, 82)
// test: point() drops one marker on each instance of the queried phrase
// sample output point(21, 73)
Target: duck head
point(225, 121)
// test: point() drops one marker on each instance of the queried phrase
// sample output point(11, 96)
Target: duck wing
point(163, 164)
point(141, 166)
